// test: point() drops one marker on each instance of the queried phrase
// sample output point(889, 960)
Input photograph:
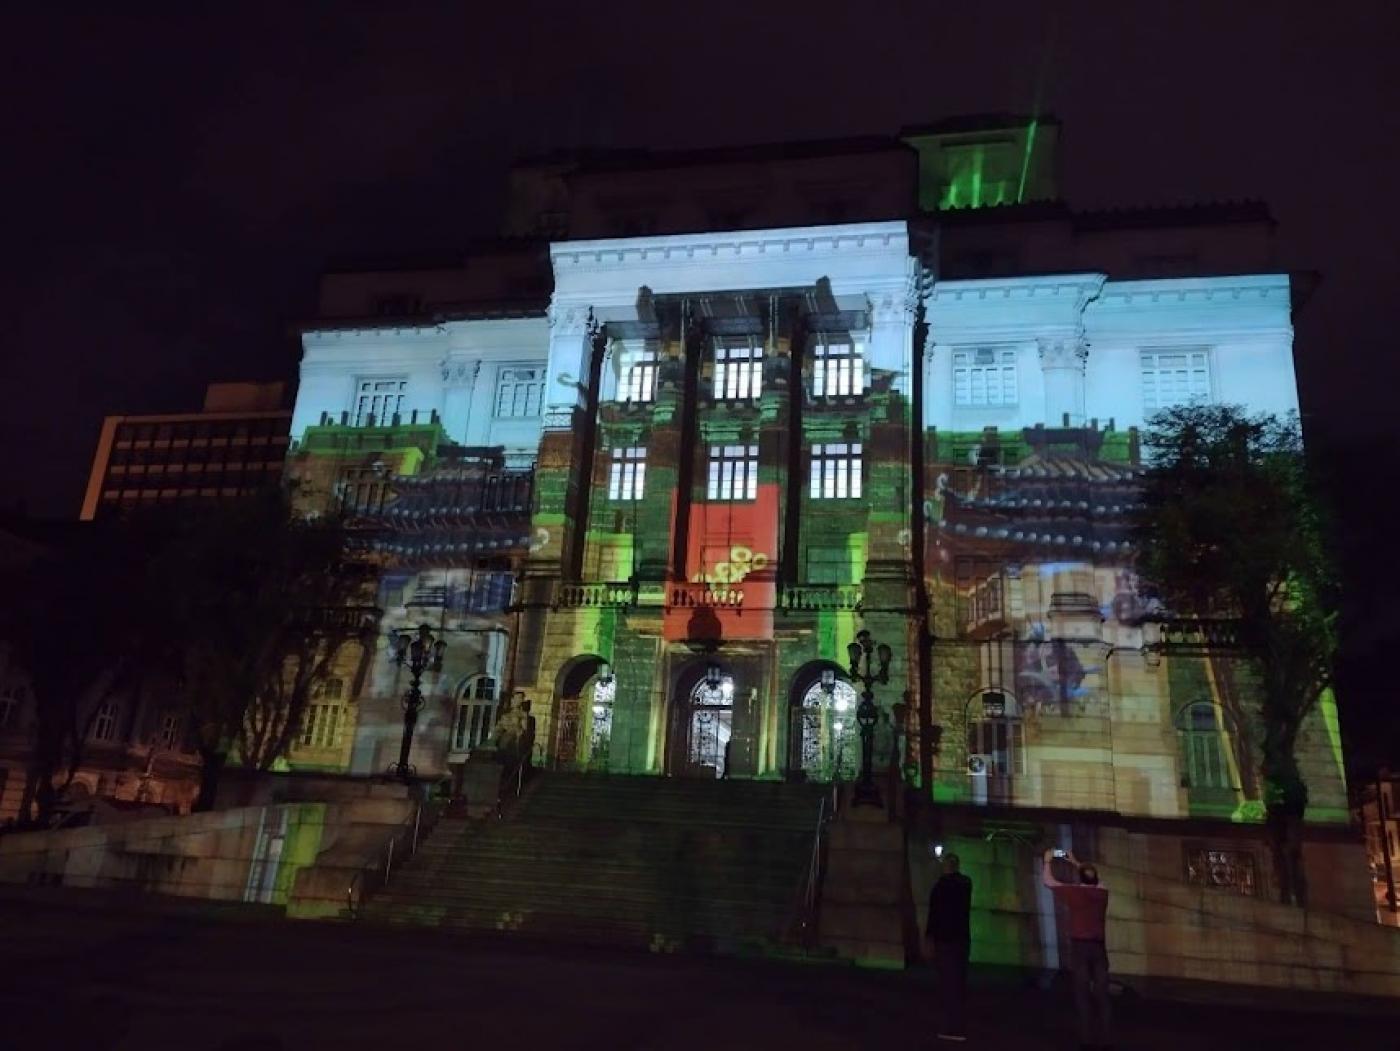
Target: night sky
point(176, 179)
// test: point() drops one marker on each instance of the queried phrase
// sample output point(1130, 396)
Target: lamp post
point(420, 653)
point(870, 663)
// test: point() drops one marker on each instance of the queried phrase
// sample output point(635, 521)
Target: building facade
point(662, 501)
point(235, 445)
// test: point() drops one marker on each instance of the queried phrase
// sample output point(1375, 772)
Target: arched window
point(830, 741)
point(711, 724)
point(104, 723)
point(1201, 730)
point(476, 713)
point(12, 698)
point(601, 719)
point(996, 747)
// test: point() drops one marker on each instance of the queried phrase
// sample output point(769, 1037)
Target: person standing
point(1086, 906)
point(949, 928)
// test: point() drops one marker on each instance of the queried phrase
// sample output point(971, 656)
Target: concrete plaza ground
point(75, 976)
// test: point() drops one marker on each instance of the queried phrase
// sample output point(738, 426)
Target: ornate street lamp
point(421, 652)
point(870, 664)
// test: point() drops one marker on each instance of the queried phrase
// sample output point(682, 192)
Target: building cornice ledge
point(788, 242)
point(1073, 286)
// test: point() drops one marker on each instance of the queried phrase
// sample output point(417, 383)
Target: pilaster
point(459, 377)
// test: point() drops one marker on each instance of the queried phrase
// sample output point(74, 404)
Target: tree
point(251, 607)
point(65, 626)
point(1232, 528)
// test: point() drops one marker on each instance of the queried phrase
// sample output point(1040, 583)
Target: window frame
point(638, 369)
point(836, 470)
point(366, 402)
point(530, 389)
point(104, 722)
point(846, 370)
point(727, 464)
point(738, 370)
point(1150, 372)
point(999, 369)
point(627, 471)
point(477, 704)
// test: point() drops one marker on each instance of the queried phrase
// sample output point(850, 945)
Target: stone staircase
point(694, 865)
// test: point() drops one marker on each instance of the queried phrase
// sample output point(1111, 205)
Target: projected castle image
point(654, 460)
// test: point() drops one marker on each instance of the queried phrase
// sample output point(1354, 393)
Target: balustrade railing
point(1192, 634)
point(585, 596)
point(822, 598)
point(691, 596)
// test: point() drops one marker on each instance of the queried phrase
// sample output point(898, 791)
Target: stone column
point(561, 472)
point(888, 460)
point(889, 494)
point(1062, 361)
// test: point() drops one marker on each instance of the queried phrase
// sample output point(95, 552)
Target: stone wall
point(275, 854)
point(1162, 927)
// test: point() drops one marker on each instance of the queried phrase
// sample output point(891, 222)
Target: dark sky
point(176, 178)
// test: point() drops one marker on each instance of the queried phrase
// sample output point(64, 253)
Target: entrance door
point(709, 727)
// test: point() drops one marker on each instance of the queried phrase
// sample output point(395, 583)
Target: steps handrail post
point(417, 818)
point(388, 859)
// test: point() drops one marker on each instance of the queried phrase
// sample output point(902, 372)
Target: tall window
point(627, 479)
point(1202, 746)
point(733, 472)
point(519, 392)
point(377, 400)
point(836, 471)
point(638, 378)
point(838, 369)
point(984, 377)
point(476, 714)
point(170, 725)
point(11, 703)
point(601, 721)
point(1174, 377)
point(829, 747)
point(1001, 743)
point(738, 372)
point(104, 723)
point(320, 727)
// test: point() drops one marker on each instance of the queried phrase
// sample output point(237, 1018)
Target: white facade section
point(1082, 346)
point(856, 266)
point(457, 369)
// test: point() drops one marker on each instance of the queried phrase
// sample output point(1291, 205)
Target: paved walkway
point(80, 978)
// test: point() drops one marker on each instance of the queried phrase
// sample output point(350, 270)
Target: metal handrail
point(375, 875)
point(517, 774)
point(809, 894)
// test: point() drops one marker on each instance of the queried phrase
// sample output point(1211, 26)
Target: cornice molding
point(1242, 288)
point(1078, 288)
point(711, 248)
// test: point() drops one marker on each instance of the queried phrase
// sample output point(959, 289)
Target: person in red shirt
point(1086, 907)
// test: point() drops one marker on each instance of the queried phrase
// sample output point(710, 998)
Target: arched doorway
point(824, 744)
point(571, 737)
point(708, 723)
point(602, 692)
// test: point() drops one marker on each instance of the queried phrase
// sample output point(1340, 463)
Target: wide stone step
point(619, 860)
point(504, 884)
point(602, 924)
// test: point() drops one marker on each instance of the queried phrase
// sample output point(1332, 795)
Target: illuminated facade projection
point(660, 498)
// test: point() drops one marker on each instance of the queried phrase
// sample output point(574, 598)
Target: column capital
point(460, 371)
point(571, 319)
point(1063, 352)
point(894, 304)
